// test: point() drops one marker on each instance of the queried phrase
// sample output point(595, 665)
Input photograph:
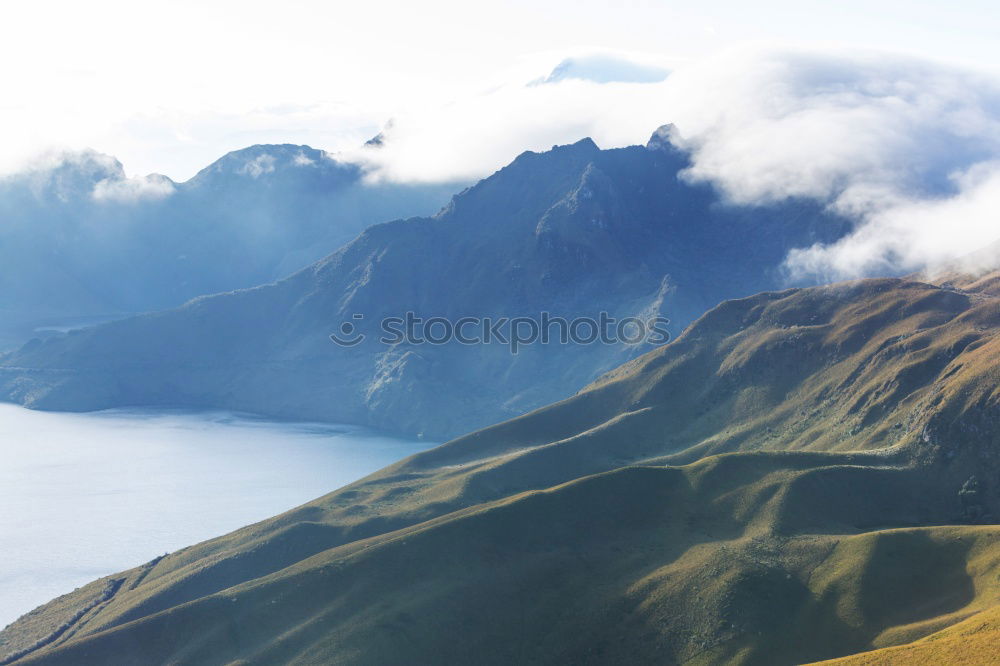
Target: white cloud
point(907, 147)
point(917, 234)
point(64, 175)
point(77, 175)
point(473, 136)
point(258, 166)
point(845, 127)
point(127, 190)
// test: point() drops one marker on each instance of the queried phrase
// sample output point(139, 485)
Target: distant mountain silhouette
point(80, 241)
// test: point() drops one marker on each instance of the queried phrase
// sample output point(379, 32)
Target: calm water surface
point(86, 495)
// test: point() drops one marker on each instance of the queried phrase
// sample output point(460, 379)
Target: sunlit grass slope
point(972, 641)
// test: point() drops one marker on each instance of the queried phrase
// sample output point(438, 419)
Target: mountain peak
point(586, 143)
point(70, 175)
point(262, 159)
point(269, 161)
point(378, 141)
point(665, 137)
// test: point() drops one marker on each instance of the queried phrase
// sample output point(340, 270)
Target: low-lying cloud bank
point(908, 147)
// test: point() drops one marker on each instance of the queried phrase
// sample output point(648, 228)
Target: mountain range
point(803, 474)
point(80, 242)
point(573, 232)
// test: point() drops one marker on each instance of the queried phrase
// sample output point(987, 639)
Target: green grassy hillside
point(802, 475)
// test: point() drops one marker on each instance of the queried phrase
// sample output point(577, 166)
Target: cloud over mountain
point(907, 146)
point(606, 68)
point(901, 143)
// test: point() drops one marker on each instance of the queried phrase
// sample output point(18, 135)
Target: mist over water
point(85, 495)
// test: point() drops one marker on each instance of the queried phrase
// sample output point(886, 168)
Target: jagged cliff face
point(79, 240)
point(802, 475)
point(573, 232)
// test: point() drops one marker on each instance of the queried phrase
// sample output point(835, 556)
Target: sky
point(169, 86)
point(887, 112)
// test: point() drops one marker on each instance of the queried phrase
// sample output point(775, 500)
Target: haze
point(168, 87)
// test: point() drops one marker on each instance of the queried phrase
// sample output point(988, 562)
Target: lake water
point(86, 495)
